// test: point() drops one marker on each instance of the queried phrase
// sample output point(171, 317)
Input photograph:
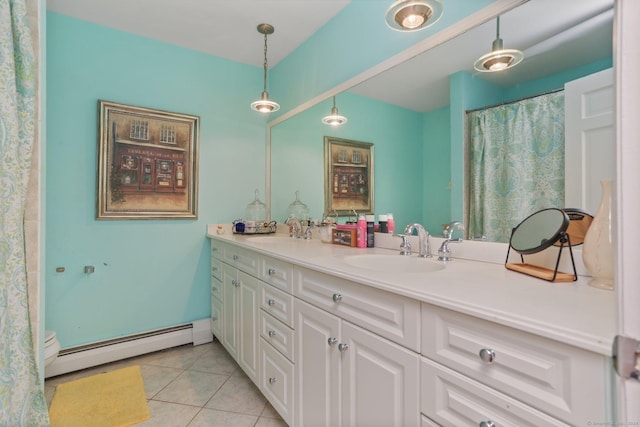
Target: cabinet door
point(230, 294)
point(380, 381)
point(249, 295)
point(317, 367)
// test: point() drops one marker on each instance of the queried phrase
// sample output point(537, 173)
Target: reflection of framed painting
point(147, 163)
point(348, 176)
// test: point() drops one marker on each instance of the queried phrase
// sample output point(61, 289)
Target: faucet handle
point(405, 246)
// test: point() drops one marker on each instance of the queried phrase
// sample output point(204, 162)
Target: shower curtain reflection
point(515, 164)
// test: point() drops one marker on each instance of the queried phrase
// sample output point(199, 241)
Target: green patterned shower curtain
point(516, 164)
point(22, 401)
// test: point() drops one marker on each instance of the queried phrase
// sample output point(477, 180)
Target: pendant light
point(264, 105)
point(334, 119)
point(413, 15)
point(498, 59)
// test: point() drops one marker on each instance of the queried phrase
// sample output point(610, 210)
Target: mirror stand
point(544, 272)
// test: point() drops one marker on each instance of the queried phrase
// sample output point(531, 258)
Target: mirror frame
point(478, 18)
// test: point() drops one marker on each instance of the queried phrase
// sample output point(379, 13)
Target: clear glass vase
point(597, 250)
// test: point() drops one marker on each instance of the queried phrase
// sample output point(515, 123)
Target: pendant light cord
point(265, 61)
point(497, 27)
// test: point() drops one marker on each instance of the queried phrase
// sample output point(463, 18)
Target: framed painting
point(147, 163)
point(348, 176)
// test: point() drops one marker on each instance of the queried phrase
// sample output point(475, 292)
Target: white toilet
point(51, 347)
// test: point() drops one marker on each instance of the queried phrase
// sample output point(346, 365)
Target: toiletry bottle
point(371, 219)
point(391, 225)
point(382, 221)
point(361, 226)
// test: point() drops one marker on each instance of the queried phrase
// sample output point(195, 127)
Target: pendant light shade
point(498, 59)
point(264, 105)
point(334, 119)
point(413, 15)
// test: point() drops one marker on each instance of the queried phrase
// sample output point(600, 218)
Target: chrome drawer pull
point(337, 297)
point(235, 257)
point(487, 355)
point(487, 424)
point(272, 333)
point(214, 268)
point(214, 289)
point(271, 302)
point(235, 282)
point(271, 271)
point(214, 318)
point(343, 347)
point(332, 341)
point(273, 380)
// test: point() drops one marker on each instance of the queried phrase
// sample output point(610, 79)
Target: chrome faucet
point(444, 253)
point(423, 236)
point(295, 227)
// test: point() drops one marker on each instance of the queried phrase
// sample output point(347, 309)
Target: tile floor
point(192, 386)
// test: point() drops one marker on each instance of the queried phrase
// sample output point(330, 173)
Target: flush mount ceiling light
point(413, 15)
point(263, 105)
point(334, 119)
point(498, 59)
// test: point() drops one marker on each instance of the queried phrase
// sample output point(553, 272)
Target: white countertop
point(574, 313)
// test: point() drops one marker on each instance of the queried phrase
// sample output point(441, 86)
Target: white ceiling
point(227, 28)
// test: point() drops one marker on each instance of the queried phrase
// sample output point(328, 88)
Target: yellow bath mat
point(112, 399)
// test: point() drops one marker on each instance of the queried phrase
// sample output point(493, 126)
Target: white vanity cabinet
point(241, 295)
point(347, 375)
point(478, 371)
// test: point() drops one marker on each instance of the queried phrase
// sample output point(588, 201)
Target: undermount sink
point(270, 239)
point(394, 262)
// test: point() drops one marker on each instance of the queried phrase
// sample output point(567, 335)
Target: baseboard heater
point(93, 354)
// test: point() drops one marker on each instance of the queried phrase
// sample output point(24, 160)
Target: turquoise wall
point(148, 274)
point(436, 131)
point(298, 151)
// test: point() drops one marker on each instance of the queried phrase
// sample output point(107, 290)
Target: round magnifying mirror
point(539, 231)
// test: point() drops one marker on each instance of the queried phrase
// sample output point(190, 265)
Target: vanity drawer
point(451, 399)
point(561, 380)
point(216, 268)
point(277, 303)
point(216, 288)
point(277, 273)
point(216, 316)
point(217, 249)
point(276, 333)
point(392, 316)
point(276, 382)
point(242, 259)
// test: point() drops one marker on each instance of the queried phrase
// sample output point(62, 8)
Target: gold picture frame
point(147, 163)
point(348, 178)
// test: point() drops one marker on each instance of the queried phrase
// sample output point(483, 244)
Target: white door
point(589, 138)
point(380, 381)
point(230, 295)
point(627, 278)
point(248, 323)
point(317, 367)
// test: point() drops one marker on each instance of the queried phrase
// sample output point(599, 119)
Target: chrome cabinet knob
point(214, 268)
point(337, 297)
point(343, 347)
point(487, 424)
point(273, 380)
point(214, 289)
point(271, 271)
point(235, 257)
point(487, 355)
point(271, 302)
point(332, 341)
point(272, 333)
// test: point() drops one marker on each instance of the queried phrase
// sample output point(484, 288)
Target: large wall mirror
point(416, 113)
